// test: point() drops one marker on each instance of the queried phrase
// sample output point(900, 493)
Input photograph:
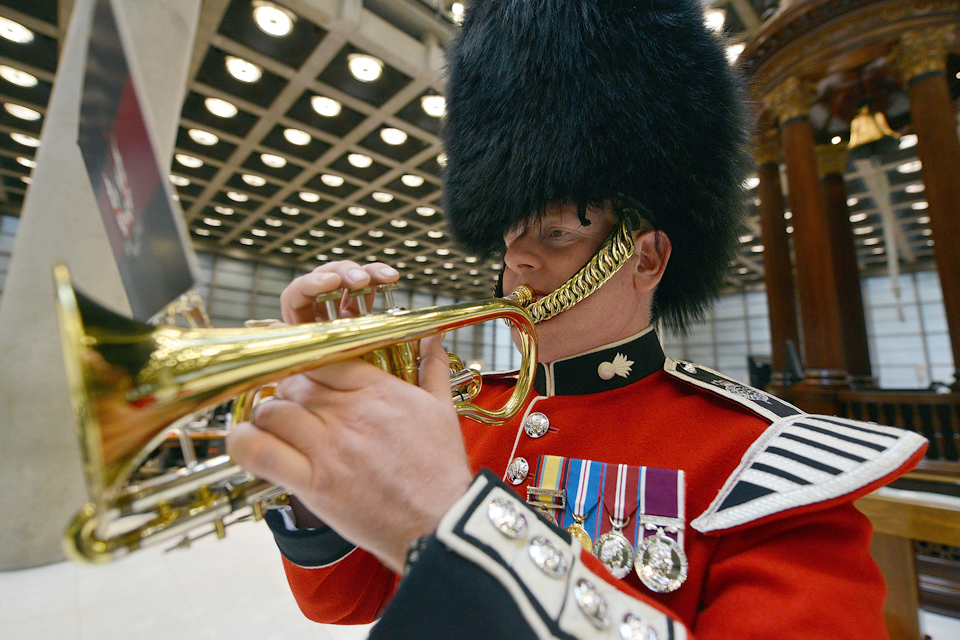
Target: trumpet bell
point(131, 383)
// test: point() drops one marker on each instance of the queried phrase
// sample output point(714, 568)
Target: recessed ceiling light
point(916, 187)
point(877, 251)
point(333, 222)
point(356, 211)
point(371, 258)
point(15, 32)
point(203, 137)
point(271, 19)
point(435, 233)
point(476, 283)
point(179, 181)
point(746, 238)
point(757, 248)
point(286, 250)
point(852, 202)
point(188, 161)
point(433, 106)
point(474, 272)
point(300, 242)
point(862, 231)
point(175, 197)
point(923, 220)
point(495, 266)
point(421, 258)
point(751, 182)
point(470, 259)
point(411, 243)
point(393, 136)
point(226, 211)
point(258, 232)
point(220, 108)
point(19, 111)
point(836, 140)
point(273, 160)
point(714, 19)
point(375, 233)
point(457, 10)
point(789, 229)
point(443, 252)
point(380, 196)
point(434, 281)
point(871, 241)
point(390, 251)
point(428, 271)
point(426, 211)
point(273, 222)
point(25, 140)
point(743, 270)
point(398, 223)
point(359, 160)
point(242, 70)
point(787, 215)
point(409, 276)
point(734, 51)
point(290, 211)
point(411, 180)
point(326, 107)
point(909, 140)
point(442, 159)
point(297, 137)
point(910, 167)
point(920, 206)
point(363, 67)
point(331, 180)
point(309, 196)
point(317, 233)
point(353, 242)
point(236, 196)
point(202, 232)
point(858, 217)
point(927, 232)
point(448, 265)
point(336, 250)
point(252, 180)
point(246, 241)
point(17, 77)
point(27, 162)
point(26, 179)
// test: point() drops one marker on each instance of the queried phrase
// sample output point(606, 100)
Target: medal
point(661, 563)
point(614, 550)
point(577, 531)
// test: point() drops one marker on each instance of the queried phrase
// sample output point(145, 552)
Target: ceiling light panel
point(375, 91)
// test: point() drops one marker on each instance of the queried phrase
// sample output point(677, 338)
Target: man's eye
point(557, 233)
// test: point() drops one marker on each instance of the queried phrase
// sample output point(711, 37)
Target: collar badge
point(619, 367)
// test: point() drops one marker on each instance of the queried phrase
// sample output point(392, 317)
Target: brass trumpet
point(130, 383)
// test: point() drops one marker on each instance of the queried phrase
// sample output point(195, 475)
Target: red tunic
point(806, 572)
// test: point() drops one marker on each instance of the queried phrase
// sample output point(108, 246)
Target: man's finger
point(267, 456)
point(434, 367)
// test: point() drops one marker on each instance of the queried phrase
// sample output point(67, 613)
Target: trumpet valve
point(361, 296)
point(329, 300)
point(387, 291)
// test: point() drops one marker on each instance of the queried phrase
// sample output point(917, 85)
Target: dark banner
point(143, 222)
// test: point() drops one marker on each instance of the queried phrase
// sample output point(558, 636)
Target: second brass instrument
point(130, 382)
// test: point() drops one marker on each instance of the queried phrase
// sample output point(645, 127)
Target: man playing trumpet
point(599, 144)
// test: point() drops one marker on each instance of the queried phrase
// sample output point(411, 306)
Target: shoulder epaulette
point(768, 406)
point(799, 460)
point(803, 460)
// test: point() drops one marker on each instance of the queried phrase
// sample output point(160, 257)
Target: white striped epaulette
point(800, 459)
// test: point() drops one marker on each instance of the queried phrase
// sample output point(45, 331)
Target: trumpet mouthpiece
point(522, 295)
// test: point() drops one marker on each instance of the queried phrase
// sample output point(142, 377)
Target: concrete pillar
point(41, 484)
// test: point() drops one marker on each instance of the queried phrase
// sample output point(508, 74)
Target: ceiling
point(318, 205)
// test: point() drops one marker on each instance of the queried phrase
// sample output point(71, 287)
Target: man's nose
point(522, 254)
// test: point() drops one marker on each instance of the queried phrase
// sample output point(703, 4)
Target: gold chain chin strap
point(612, 255)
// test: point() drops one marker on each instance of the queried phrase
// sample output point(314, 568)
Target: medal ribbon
point(662, 502)
point(551, 471)
point(620, 499)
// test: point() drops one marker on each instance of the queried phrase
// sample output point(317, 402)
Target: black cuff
point(307, 547)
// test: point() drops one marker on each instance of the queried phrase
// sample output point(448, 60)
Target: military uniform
point(756, 495)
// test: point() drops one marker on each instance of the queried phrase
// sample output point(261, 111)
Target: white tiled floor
point(229, 589)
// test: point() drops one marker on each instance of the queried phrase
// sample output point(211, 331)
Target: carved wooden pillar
point(777, 268)
point(832, 163)
point(921, 58)
point(817, 291)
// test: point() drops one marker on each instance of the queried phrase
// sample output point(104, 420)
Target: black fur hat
point(585, 101)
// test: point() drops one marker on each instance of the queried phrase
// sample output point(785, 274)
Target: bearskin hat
point(587, 101)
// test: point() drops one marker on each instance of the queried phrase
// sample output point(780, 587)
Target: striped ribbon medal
point(579, 484)
point(612, 548)
point(660, 561)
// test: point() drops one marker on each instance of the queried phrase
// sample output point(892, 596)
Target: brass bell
point(870, 135)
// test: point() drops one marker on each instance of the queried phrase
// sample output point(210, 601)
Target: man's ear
point(652, 254)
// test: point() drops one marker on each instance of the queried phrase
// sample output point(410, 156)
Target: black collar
point(621, 363)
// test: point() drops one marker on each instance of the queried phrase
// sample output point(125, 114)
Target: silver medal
point(661, 563)
point(615, 551)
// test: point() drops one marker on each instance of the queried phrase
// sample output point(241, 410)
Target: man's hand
point(374, 457)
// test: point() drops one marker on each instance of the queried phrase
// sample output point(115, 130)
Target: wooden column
point(832, 163)
point(921, 58)
point(777, 267)
point(817, 292)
